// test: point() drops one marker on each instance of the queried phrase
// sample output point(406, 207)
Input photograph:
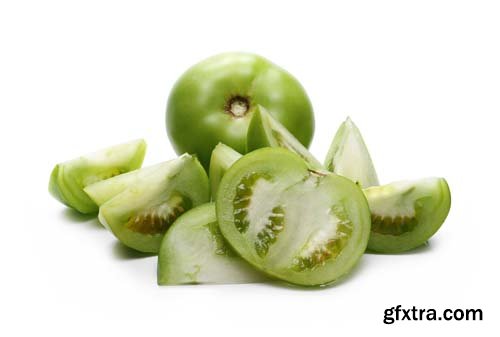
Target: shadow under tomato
point(74, 216)
point(422, 249)
point(122, 252)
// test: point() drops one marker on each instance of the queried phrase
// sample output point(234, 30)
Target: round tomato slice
point(299, 225)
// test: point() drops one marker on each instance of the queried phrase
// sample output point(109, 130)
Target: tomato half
point(302, 226)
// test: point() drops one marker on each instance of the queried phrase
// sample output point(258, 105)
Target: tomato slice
point(348, 156)
point(222, 158)
point(105, 190)
point(68, 179)
point(140, 215)
point(405, 214)
point(298, 225)
point(266, 131)
point(194, 251)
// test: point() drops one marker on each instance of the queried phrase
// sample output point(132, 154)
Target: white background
point(421, 79)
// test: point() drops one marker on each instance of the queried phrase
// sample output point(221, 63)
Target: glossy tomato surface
point(214, 101)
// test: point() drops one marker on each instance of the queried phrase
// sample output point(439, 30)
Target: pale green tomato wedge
point(348, 156)
point(194, 251)
point(68, 179)
point(293, 223)
point(105, 190)
point(141, 214)
point(406, 214)
point(222, 158)
point(265, 131)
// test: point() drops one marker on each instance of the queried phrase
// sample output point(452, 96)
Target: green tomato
point(69, 179)
point(214, 102)
point(194, 251)
point(405, 214)
point(349, 157)
point(302, 226)
point(222, 158)
point(143, 204)
point(265, 131)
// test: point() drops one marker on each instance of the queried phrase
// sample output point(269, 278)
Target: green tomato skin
point(221, 160)
point(197, 119)
point(68, 179)
point(265, 131)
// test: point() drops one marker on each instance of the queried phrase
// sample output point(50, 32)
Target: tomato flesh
point(302, 226)
point(194, 251)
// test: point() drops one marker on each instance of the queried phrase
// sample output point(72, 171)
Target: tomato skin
point(198, 115)
point(69, 179)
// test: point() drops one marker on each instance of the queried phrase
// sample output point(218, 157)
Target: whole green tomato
point(214, 100)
